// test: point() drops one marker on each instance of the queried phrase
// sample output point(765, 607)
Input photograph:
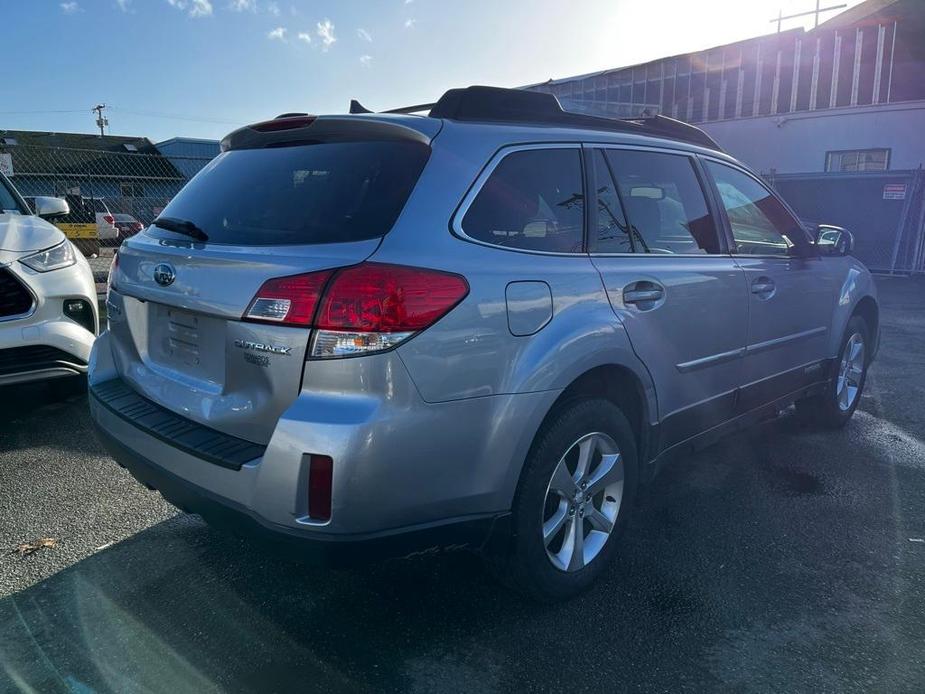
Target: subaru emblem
point(164, 274)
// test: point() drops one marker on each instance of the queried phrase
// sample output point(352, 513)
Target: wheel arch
point(621, 386)
point(869, 310)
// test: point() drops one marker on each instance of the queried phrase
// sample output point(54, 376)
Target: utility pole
point(819, 10)
point(101, 120)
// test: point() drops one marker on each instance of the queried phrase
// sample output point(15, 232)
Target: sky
point(200, 68)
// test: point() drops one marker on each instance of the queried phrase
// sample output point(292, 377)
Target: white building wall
point(798, 142)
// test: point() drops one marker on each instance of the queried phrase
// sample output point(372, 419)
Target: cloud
point(365, 35)
point(197, 8)
point(200, 8)
point(124, 5)
point(305, 36)
point(243, 6)
point(325, 31)
point(277, 34)
point(273, 9)
point(409, 23)
point(365, 60)
point(70, 7)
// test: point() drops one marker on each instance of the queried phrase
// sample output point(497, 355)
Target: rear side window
point(664, 203)
point(304, 194)
point(533, 200)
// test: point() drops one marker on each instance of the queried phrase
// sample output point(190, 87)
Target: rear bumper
point(476, 532)
point(398, 462)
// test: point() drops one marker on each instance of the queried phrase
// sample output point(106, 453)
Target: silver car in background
point(381, 334)
point(48, 309)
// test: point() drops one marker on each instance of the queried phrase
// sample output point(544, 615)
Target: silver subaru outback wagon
point(379, 334)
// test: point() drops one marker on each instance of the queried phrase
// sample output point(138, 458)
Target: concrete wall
point(798, 142)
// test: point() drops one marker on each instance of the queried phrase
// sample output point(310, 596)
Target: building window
point(858, 160)
point(132, 190)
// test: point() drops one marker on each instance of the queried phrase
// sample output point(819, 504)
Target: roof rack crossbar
point(497, 104)
point(411, 109)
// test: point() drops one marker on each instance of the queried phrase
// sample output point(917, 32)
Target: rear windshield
point(318, 193)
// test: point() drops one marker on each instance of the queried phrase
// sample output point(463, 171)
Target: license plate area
point(189, 343)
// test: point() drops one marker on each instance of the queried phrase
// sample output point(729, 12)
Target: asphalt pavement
point(778, 560)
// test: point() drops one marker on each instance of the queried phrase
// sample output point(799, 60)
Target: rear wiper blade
point(181, 226)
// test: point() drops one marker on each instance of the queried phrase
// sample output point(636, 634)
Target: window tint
point(532, 200)
point(612, 230)
point(664, 202)
point(761, 225)
point(318, 193)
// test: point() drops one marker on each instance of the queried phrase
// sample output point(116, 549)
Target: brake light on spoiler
point(360, 309)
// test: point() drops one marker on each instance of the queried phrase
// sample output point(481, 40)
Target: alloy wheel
point(850, 373)
point(582, 501)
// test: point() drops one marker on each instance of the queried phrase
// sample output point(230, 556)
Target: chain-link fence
point(111, 195)
point(884, 210)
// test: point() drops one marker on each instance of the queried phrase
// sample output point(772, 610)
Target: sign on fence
point(894, 191)
point(6, 163)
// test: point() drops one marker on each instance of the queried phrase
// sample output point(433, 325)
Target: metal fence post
point(910, 196)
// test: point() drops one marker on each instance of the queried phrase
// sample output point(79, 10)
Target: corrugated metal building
point(833, 117)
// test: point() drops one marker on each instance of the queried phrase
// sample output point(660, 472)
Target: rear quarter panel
point(472, 352)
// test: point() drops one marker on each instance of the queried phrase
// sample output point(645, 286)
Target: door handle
point(638, 296)
point(763, 287)
point(644, 294)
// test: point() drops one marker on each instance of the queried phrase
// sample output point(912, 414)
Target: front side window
point(760, 224)
point(533, 200)
point(664, 203)
point(8, 202)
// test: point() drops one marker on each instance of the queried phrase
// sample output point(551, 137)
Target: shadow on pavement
point(775, 555)
point(778, 560)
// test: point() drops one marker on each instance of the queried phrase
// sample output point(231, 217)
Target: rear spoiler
point(295, 129)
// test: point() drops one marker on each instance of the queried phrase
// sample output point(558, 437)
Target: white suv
point(48, 309)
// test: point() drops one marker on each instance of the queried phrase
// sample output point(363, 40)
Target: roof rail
point(496, 104)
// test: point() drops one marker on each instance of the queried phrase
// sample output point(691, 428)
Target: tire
point(555, 572)
point(833, 408)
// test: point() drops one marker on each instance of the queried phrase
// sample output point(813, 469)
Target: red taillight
point(320, 480)
point(109, 219)
point(288, 123)
point(374, 297)
point(361, 309)
point(288, 300)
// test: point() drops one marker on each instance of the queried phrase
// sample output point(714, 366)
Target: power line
point(146, 114)
point(76, 110)
point(174, 116)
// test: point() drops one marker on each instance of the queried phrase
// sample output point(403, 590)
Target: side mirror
point(49, 208)
point(833, 241)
